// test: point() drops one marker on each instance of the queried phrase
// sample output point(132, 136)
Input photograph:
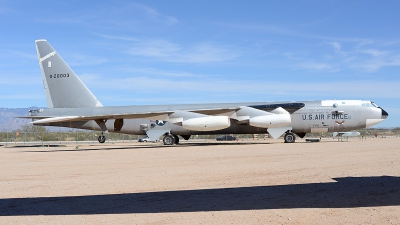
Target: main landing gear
point(101, 138)
point(290, 137)
point(170, 139)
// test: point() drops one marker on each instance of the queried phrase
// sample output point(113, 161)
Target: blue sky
point(171, 52)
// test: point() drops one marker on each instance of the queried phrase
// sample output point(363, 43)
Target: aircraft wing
point(49, 120)
point(274, 117)
point(239, 113)
point(290, 107)
point(161, 115)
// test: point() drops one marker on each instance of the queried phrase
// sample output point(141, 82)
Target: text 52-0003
point(59, 75)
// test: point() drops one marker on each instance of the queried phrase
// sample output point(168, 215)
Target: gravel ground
point(259, 182)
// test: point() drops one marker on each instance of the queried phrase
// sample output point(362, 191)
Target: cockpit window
point(375, 105)
point(366, 105)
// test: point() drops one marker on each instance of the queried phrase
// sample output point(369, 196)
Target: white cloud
point(166, 51)
point(391, 43)
point(22, 97)
point(20, 78)
point(25, 55)
point(374, 52)
point(114, 37)
point(140, 86)
point(208, 53)
point(158, 49)
point(85, 60)
point(4, 9)
point(374, 64)
point(153, 71)
point(155, 15)
point(336, 46)
point(317, 22)
point(357, 58)
point(364, 42)
point(361, 55)
point(112, 16)
point(88, 78)
point(317, 66)
point(279, 30)
point(291, 55)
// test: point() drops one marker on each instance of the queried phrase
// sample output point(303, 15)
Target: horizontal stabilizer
point(55, 120)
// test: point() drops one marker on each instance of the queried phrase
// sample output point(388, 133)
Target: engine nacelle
point(208, 123)
point(271, 121)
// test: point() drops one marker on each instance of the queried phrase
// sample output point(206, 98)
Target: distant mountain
point(8, 122)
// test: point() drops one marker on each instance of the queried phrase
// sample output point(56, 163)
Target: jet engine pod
point(270, 121)
point(208, 123)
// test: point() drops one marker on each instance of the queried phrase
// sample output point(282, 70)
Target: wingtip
point(39, 40)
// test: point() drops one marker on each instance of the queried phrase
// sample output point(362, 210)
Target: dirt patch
point(327, 182)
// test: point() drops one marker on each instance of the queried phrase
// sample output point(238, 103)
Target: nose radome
point(384, 114)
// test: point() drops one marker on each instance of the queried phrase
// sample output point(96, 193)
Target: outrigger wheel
point(101, 138)
point(290, 138)
point(169, 139)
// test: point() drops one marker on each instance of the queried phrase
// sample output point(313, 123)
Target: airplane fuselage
point(314, 117)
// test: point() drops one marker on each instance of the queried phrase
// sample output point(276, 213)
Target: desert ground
point(241, 182)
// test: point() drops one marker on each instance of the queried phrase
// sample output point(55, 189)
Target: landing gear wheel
point(176, 139)
point(169, 140)
point(101, 139)
point(290, 138)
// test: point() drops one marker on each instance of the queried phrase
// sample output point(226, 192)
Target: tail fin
point(63, 87)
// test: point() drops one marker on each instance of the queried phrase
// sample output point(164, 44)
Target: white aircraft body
point(72, 104)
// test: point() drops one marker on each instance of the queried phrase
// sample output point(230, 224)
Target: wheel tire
point(169, 140)
point(290, 138)
point(176, 139)
point(101, 139)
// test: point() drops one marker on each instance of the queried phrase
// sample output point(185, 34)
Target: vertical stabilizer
point(62, 86)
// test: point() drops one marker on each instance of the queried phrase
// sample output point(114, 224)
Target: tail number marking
point(59, 75)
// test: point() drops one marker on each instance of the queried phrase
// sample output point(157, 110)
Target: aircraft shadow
point(130, 147)
point(37, 146)
point(347, 192)
point(83, 149)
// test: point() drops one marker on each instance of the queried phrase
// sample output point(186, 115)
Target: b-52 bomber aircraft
point(72, 104)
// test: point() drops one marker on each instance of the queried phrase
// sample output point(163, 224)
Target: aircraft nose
point(384, 114)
